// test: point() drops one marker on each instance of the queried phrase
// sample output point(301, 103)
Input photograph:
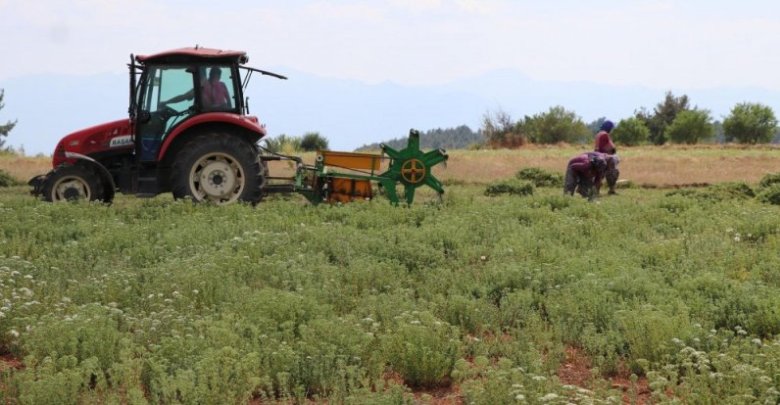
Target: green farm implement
point(347, 176)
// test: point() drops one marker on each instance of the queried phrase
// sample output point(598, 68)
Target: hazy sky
point(653, 43)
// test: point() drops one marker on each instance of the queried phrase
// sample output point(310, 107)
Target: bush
point(769, 180)
point(6, 180)
point(556, 125)
point(717, 192)
point(690, 127)
point(501, 132)
point(511, 187)
point(284, 144)
point(739, 190)
point(770, 195)
point(554, 202)
point(313, 141)
point(750, 123)
point(631, 132)
point(422, 350)
point(649, 334)
point(540, 177)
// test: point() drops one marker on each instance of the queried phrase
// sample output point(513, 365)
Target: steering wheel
point(167, 113)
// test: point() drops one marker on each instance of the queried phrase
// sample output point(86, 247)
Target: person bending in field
point(584, 173)
point(604, 144)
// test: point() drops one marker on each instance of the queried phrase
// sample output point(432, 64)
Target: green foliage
point(718, 192)
point(461, 137)
point(8, 126)
point(422, 349)
point(6, 180)
point(511, 187)
point(313, 141)
point(630, 132)
point(649, 333)
point(733, 189)
point(540, 177)
point(663, 116)
point(769, 180)
point(553, 202)
point(165, 301)
point(507, 383)
point(284, 144)
point(554, 126)
point(501, 132)
point(750, 123)
point(770, 194)
point(690, 127)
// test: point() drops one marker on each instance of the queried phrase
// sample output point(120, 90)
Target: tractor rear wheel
point(72, 183)
point(217, 168)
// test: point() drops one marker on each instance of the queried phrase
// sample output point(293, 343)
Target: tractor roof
point(196, 54)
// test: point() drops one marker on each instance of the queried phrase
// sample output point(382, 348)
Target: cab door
point(167, 98)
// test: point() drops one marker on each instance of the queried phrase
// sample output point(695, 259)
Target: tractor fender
point(109, 187)
point(248, 123)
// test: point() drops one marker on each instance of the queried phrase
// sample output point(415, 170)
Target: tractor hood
point(104, 138)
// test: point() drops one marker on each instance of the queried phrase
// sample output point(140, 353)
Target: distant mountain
point(347, 112)
point(461, 137)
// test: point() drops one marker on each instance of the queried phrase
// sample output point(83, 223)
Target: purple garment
point(604, 143)
point(581, 166)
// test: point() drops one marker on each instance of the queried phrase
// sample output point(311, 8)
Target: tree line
point(460, 137)
point(672, 120)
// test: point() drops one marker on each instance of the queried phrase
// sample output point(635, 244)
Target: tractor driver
point(214, 93)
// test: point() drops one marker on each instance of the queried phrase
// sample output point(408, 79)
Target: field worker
point(603, 141)
point(604, 144)
point(584, 173)
point(612, 172)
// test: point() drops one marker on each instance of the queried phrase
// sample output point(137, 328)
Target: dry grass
point(24, 168)
point(666, 166)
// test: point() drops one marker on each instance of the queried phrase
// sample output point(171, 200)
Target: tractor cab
point(176, 86)
point(188, 132)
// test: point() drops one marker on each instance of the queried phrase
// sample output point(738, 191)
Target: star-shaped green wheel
point(412, 168)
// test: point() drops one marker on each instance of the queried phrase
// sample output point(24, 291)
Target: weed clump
point(6, 180)
point(738, 190)
point(511, 187)
point(554, 202)
point(769, 180)
point(540, 177)
point(770, 195)
point(717, 192)
point(423, 351)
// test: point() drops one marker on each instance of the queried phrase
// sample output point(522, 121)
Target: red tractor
point(189, 132)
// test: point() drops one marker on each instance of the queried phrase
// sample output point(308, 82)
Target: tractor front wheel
point(217, 168)
point(72, 183)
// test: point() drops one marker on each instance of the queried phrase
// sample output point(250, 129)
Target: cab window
point(216, 90)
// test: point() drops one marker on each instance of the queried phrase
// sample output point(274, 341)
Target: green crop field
point(650, 296)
